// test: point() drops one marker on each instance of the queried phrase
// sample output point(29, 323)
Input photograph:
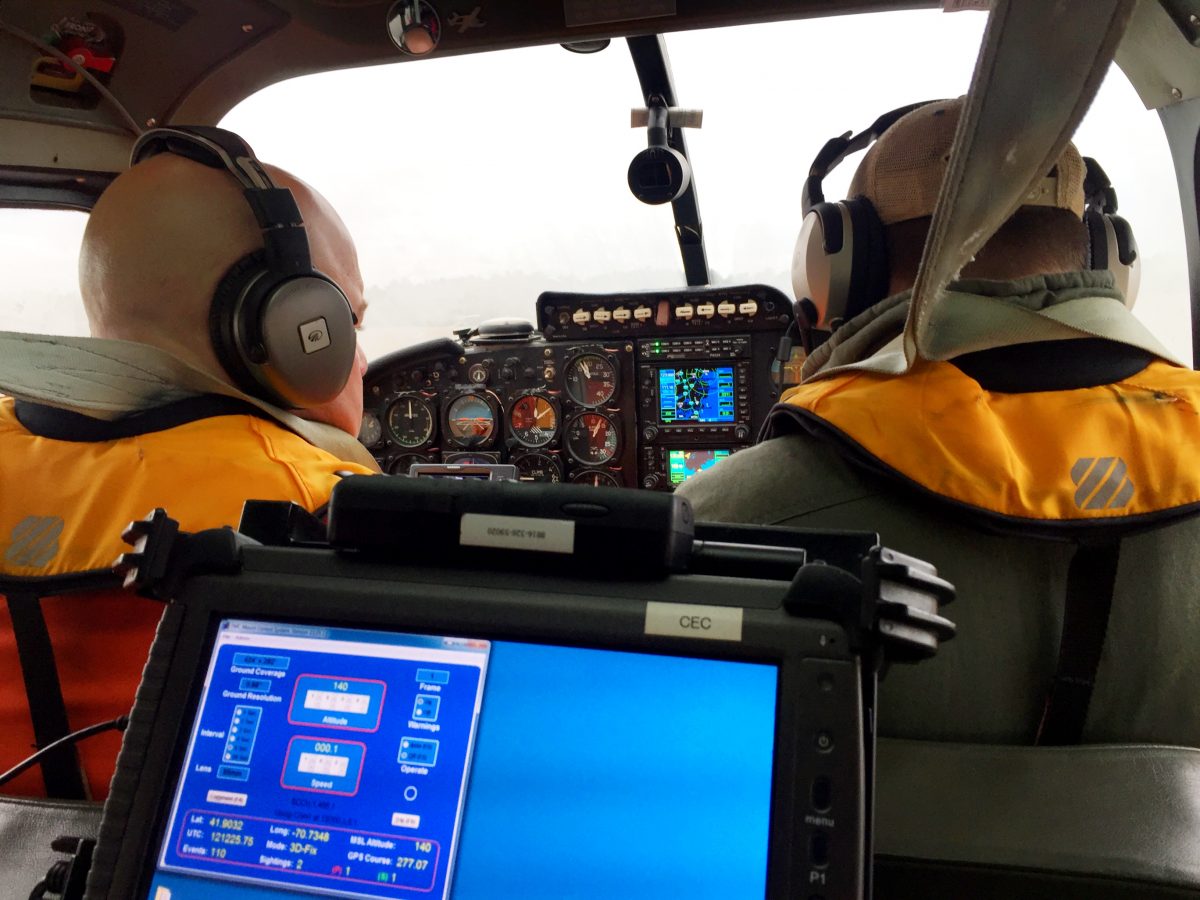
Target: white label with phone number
point(517, 533)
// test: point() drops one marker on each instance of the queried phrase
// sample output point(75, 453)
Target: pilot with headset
point(1044, 459)
point(239, 289)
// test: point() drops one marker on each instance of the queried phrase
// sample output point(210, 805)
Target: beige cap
point(902, 172)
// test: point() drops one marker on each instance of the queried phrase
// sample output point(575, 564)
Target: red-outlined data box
point(323, 765)
point(330, 701)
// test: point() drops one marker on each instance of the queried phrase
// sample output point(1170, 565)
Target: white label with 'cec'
point(517, 533)
point(714, 623)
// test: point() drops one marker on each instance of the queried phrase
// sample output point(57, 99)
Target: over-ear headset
point(1111, 244)
point(840, 264)
point(283, 331)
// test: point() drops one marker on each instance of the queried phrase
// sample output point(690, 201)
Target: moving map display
point(683, 464)
point(696, 394)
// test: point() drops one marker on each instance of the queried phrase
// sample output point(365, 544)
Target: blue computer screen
point(413, 766)
point(696, 394)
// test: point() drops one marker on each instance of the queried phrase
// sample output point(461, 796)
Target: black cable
point(119, 724)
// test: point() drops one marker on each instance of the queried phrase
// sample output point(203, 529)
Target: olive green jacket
point(989, 684)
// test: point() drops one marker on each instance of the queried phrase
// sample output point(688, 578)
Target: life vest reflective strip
point(1118, 454)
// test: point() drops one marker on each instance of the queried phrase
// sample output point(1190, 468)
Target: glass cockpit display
point(683, 464)
point(701, 395)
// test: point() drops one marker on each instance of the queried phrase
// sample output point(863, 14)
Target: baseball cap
point(902, 172)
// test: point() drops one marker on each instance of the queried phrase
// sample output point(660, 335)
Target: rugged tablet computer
point(325, 722)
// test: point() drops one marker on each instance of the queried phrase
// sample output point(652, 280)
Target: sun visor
point(1040, 65)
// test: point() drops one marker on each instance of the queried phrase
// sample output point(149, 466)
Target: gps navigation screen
point(702, 395)
point(684, 464)
point(337, 762)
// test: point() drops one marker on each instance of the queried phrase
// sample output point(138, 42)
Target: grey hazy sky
point(471, 183)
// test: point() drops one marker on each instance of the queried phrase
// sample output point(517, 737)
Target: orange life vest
point(63, 506)
point(1117, 454)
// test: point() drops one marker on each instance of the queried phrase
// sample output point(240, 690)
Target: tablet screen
point(326, 761)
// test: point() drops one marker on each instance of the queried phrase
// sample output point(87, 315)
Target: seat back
point(27, 828)
point(1096, 821)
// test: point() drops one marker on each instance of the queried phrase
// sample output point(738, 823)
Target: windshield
point(473, 183)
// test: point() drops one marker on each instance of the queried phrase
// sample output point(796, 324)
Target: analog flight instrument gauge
point(595, 478)
point(410, 421)
point(540, 467)
point(592, 438)
point(400, 464)
point(471, 421)
point(591, 379)
point(370, 433)
point(533, 420)
point(471, 459)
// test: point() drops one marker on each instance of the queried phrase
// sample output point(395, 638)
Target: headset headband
point(275, 209)
point(1098, 192)
point(838, 148)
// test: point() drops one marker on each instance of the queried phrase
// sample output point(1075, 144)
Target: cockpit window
point(38, 256)
point(473, 183)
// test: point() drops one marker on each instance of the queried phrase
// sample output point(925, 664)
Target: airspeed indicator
point(591, 380)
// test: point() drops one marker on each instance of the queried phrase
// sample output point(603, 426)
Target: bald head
point(162, 236)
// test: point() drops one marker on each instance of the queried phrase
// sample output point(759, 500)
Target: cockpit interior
point(557, 385)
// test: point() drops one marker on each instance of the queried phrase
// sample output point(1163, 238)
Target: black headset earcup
point(225, 330)
point(1097, 239)
point(1111, 246)
point(1127, 248)
point(869, 263)
point(307, 327)
point(288, 341)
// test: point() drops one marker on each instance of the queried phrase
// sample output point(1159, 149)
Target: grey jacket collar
point(980, 315)
point(108, 379)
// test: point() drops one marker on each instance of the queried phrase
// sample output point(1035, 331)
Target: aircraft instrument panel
point(634, 390)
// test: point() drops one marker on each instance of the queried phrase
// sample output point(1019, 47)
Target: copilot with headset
point(1043, 458)
point(202, 256)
